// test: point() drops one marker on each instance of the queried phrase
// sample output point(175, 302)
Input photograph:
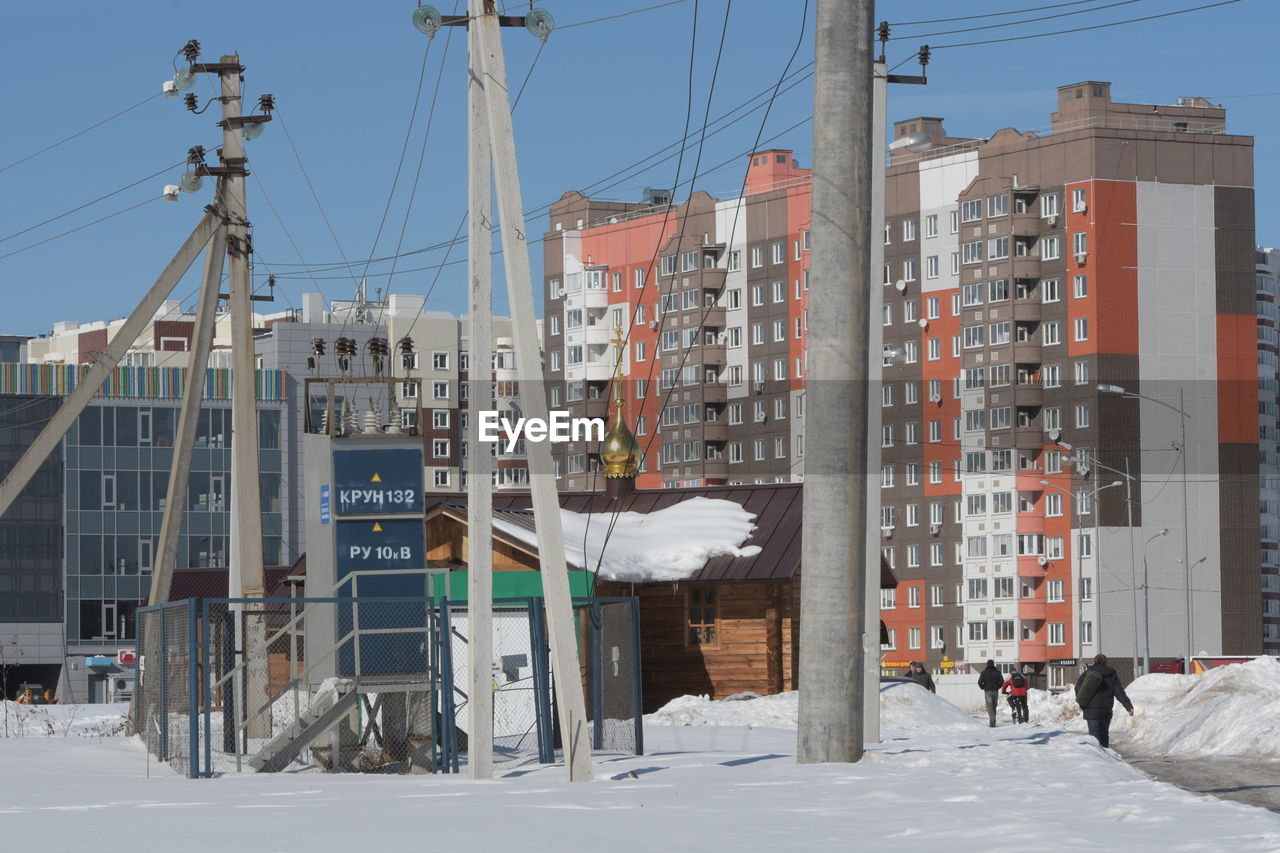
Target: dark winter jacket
point(1009, 688)
point(923, 678)
point(990, 679)
point(1103, 701)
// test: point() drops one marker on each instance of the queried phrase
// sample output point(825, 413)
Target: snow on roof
point(668, 544)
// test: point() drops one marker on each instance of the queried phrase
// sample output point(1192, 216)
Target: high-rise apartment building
point(1021, 272)
point(1267, 275)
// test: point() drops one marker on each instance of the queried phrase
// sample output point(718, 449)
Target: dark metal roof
point(776, 506)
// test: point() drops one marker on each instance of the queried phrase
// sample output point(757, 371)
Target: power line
point(66, 139)
point(1019, 23)
point(93, 202)
point(990, 14)
point(1086, 29)
point(80, 227)
point(622, 14)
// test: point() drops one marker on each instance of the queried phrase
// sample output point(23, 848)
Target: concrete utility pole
point(193, 394)
point(480, 484)
point(546, 503)
point(833, 586)
point(90, 383)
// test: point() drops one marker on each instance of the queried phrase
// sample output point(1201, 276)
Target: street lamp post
point(1180, 409)
point(1146, 605)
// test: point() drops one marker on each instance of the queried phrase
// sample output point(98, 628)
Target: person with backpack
point(1097, 690)
point(921, 676)
point(990, 681)
point(1016, 688)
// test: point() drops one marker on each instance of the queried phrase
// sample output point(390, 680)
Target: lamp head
point(1111, 389)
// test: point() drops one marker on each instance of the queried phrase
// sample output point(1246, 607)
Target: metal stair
point(327, 708)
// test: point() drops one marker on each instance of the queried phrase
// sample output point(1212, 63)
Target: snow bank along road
point(714, 779)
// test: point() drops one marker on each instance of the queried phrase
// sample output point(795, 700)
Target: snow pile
point(665, 545)
point(903, 708)
point(41, 721)
point(1227, 711)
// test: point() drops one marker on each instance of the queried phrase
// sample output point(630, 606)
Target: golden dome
point(620, 451)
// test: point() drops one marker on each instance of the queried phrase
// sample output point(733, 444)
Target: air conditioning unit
point(653, 324)
point(1051, 221)
point(1080, 257)
point(887, 531)
point(935, 529)
point(759, 386)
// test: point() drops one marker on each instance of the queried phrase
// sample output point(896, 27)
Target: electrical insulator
point(317, 346)
point(266, 103)
point(191, 101)
point(191, 50)
point(924, 55)
point(195, 154)
point(883, 31)
point(406, 345)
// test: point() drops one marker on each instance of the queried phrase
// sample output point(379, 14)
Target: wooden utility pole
point(546, 503)
point(833, 587)
point(480, 482)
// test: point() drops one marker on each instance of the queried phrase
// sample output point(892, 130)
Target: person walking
point(1097, 690)
point(1016, 688)
point(990, 681)
point(921, 676)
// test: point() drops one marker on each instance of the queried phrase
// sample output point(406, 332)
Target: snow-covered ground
point(939, 782)
point(1227, 711)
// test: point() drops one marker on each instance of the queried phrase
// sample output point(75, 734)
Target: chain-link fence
point(166, 701)
point(372, 684)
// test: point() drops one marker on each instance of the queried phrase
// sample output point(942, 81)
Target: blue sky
point(601, 97)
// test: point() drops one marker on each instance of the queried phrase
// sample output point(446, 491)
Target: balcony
point(714, 318)
point(1026, 352)
point(1028, 396)
point(1027, 310)
point(1028, 481)
point(715, 431)
point(1029, 438)
point(598, 334)
point(716, 469)
point(713, 353)
point(1026, 224)
point(1032, 651)
point(1031, 609)
point(595, 407)
point(1031, 522)
point(1026, 266)
point(714, 392)
point(1029, 567)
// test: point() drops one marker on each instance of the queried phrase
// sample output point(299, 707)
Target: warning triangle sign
point(375, 478)
point(377, 528)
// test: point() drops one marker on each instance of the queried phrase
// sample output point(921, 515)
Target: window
point(1030, 544)
point(1000, 333)
point(912, 352)
point(735, 451)
point(1080, 243)
point(779, 291)
point(410, 360)
point(888, 599)
point(778, 253)
point(1086, 589)
point(910, 272)
point(936, 637)
point(998, 290)
point(893, 639)
point(971, 211)
point(441, 478)
point(934, 349)
point(886, 476)
point(1053, 548)
point(972, 294)
point(779, 330)
point(976, 546)
point(935, 472)
point(1082, 372)
point(954, 222)
point(1049, 290)
point(908, 230)
point(974, 336)
point(1002, 502)
point(913, 468)
point(703, 605)
point(1057, 634)
point(977, 632)
point(888, 233)
point(440, 448)
point(1051, 248)
point(913, 562)
point(931, 267)
point(757, 257)
point(1001, 418)
point(1051, 376)
point(1082, 415)
point(757, 295)
point(1005, 629)
point(439, 418)
point(1086, 633)
point(972, 252)
point(935, 595)
point(931, 225)
point(977, 589)
point(1082, 328)
point(998, 248)
point(1051, 334)
point(759, 449)
point(1053, 504)
point(997, 205)
point(1078, 200)
point(1003, 587)
point(1052, 418)
point(1049, 205)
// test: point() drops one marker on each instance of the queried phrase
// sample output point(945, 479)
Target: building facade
point(1267, 273)
point(1021, 272)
